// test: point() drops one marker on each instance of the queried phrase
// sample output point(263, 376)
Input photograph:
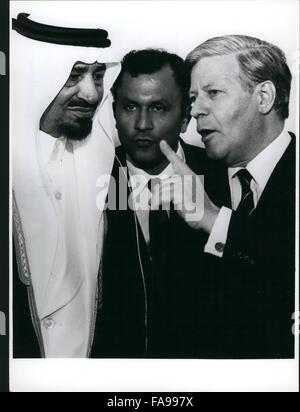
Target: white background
point(177, 26)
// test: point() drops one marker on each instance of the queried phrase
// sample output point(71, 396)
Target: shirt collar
point(141, 178)
point(52, 148)
point(262, 166)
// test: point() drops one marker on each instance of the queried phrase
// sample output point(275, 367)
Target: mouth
point(81, 111)
point(206, 134)
point(144, 143)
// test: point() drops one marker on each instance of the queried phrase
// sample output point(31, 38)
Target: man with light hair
point(61, 144)
point(240, 88)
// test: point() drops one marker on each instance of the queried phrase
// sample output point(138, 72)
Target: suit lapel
point(281, 184)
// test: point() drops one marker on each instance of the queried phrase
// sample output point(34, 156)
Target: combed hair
point(149, 61)
point(259, 61)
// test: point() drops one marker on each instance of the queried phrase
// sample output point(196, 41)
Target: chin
point(215, 153)
point(77, 130)
point(146, 163)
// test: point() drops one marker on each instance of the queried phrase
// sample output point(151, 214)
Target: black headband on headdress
point(60, 35)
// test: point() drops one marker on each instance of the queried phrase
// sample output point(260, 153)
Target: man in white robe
point(61, 142)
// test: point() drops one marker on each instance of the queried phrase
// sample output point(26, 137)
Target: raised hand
point(186, 191)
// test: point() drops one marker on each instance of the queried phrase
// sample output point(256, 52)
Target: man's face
point(147, 110)
point(72, 111)
point(226, 112)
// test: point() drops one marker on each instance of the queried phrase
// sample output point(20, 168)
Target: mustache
point(83, 104)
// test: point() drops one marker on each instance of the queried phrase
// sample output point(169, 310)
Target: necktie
point(246, 205)
point(159, 230)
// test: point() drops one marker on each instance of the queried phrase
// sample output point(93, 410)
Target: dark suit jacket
point(253, 285)
point(142, 315)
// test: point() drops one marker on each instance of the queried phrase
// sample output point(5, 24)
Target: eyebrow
point(208, 86)
point(82, 67)
point(129, 100)
point(205, 87)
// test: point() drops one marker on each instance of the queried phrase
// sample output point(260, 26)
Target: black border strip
point(4, 182)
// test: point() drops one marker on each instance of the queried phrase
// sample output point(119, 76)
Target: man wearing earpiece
point(152, 270)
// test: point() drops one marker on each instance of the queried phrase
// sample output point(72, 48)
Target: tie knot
point(245, 179)
point(244, 176)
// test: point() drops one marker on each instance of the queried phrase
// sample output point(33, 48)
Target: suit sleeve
point(230, 238)
point(240, 245)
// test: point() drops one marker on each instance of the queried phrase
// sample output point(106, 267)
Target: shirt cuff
point(218, 236)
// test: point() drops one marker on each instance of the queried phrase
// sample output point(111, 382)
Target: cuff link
point(220, 247)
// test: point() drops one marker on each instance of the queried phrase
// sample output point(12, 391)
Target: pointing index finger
point(179, 166)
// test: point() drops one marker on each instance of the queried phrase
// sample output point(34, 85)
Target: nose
point(143, 120)
point(199, 108)
point(88, 90)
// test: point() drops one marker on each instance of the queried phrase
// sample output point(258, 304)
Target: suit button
point(49, 323)
point(58, 196)
point(219, 247)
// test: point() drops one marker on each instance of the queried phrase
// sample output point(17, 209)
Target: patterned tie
point(246, 205)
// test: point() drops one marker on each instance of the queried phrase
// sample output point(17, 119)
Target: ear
point(266, 96)
point(186, 119)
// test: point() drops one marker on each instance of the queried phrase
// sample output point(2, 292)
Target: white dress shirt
point(261, 169)
point(141, 195)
